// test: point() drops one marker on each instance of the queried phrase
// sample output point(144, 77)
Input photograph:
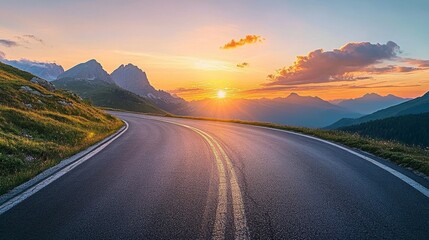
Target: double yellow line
point(224, 167)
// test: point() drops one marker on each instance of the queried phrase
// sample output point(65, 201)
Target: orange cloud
point(342, 64)
point(417, 62)
point(243, 65)
point(249, 39)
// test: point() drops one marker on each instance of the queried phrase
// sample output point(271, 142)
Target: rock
point(64, 103)
point(45, 84)
point(29, 158)
point(27, 135)
point(34, 91)
point(28, 105)
point(30, 90)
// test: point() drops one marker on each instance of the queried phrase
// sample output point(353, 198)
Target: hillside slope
point(47, 71)
point(415, 106)
point(408, 129)
point(39, 126)
point(108, 95)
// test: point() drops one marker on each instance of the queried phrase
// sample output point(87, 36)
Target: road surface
point(168, 178)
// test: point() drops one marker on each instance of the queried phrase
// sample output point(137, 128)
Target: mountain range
point(293, 110)
point(369, 103)
point(90, 70)
point(414, 106)
point(133, 79)
point(90, 81)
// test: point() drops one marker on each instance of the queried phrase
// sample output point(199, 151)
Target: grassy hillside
point(104, 94)
point(407, 156)
point(415, 106)
point(409, 129)
point(39, 127)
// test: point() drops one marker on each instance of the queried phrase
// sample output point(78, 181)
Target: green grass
point(37, 136)
point(412, 157)
point(103, 94)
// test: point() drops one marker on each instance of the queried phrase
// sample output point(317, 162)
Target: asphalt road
point(198, 179)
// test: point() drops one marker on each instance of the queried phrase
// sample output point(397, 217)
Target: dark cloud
point(249, 39)
point(22, 41)
point(341, 64)
point(8, 43)
point(34, 38)
point(243, 65)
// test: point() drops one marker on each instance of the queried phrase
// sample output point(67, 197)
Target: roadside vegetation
point(408, 156)
point(410, 129)
point(109, 95)
point(40, 126)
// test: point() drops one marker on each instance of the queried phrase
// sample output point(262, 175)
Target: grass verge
point(39, 127)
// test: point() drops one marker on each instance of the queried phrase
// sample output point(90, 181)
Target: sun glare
point(221, 94)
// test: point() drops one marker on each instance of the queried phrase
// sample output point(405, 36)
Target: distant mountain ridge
point(370, 102)
point(90, 81)
point(90, 70)
point(133, 79)
point(293, 110)
point(414, 106)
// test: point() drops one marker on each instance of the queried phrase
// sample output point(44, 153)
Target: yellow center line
point(240, 222)
point(221, 209)
point(239, 216)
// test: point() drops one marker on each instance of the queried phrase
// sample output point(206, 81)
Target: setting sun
point(221, 94)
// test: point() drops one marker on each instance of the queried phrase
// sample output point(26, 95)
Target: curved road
point(186, 179)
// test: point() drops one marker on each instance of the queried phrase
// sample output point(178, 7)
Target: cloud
point(341, 64)
point(8, 43)
point(34, 38)
point(272, 89)
point(243, 65)
point(186, 90)
point(249, 39)
point(21, 41)
point(391, 69)
point(45, 70)
point(417, 62)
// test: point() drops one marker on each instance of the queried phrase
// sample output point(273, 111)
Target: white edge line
point(422, 189)
point(37, 187)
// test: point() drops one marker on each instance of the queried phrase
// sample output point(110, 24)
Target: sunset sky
point(247, 48)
